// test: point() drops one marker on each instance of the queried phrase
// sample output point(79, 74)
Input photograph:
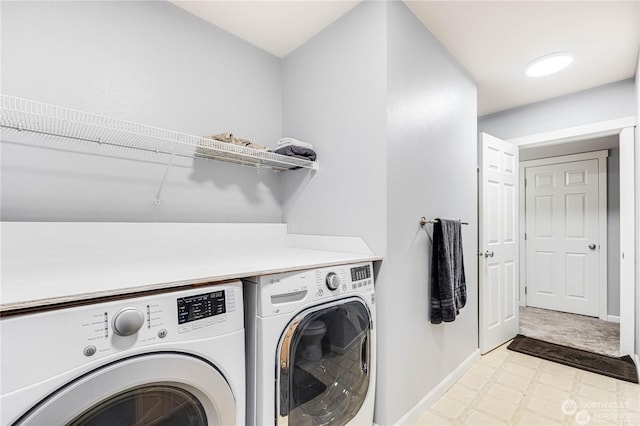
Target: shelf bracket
point(166, 172)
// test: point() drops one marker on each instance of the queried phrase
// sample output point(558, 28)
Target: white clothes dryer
point(167, 358)
point(311, 340)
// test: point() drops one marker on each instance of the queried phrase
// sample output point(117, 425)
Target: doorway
point(623, 130)
point(570, 272)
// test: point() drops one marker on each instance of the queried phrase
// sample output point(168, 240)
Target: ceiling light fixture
point(549, 64)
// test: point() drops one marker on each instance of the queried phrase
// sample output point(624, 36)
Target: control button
point(89, 350)
point(184, 328)
point(320, 292)
point(127, 321)
point(354, 286)
point(332, 280)
point(198, 325)
point(359, 284)
point(222, 318)
point(210, 321)
point(344, 287)
point(162, 333)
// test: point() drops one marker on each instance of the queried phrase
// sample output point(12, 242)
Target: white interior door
point(562, 237)
point(498, 242)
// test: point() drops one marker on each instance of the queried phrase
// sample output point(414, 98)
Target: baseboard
point(613, 318)
point(412, 416)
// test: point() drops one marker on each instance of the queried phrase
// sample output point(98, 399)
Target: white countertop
point(45, 263)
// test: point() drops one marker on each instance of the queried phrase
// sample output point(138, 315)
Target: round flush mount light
point(549, 64)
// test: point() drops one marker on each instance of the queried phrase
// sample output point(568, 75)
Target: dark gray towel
point(448, 286)
point(297, 151)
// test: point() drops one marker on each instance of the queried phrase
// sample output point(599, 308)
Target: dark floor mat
point(622, 368)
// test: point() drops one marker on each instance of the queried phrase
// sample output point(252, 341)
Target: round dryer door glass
point(147, 405)
point(324, 365)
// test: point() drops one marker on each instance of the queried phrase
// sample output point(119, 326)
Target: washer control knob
point(333, 281)
point(127, 321)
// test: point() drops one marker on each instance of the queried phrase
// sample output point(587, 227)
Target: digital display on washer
point(360, 273)
point(200, 306)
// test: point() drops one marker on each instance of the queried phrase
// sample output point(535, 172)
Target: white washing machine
point(311, 340)
point(170, 358)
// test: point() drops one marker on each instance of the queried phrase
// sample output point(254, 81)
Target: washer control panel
point(79, 335)
point(163, 318)
point(287, 292)
point(199, 306)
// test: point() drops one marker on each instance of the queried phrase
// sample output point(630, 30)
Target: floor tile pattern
point(510, 388)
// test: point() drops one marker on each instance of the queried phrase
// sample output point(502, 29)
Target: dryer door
point(324, 357)
point(151, 389)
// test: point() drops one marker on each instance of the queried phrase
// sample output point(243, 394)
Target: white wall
point(334, 96)
point(613, 202)
point(601, 103)
point(431, 171)
point(148, 62)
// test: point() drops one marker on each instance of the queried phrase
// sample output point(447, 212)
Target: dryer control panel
point(288, 292)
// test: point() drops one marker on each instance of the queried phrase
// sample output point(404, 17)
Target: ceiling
point(278, 27)
point(493, 40)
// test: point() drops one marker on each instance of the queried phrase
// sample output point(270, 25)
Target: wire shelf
point(28, 115)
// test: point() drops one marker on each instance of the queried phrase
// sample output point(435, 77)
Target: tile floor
point(509, 388)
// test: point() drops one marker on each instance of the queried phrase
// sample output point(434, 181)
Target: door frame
point(601, 156)
point(624, 129)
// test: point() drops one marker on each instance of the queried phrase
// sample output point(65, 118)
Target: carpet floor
point(576, 331)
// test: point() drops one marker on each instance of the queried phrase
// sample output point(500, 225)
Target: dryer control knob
point(127, 321)
point(333, 281)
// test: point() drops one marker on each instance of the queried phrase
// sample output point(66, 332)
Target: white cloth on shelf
point(291, 141)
